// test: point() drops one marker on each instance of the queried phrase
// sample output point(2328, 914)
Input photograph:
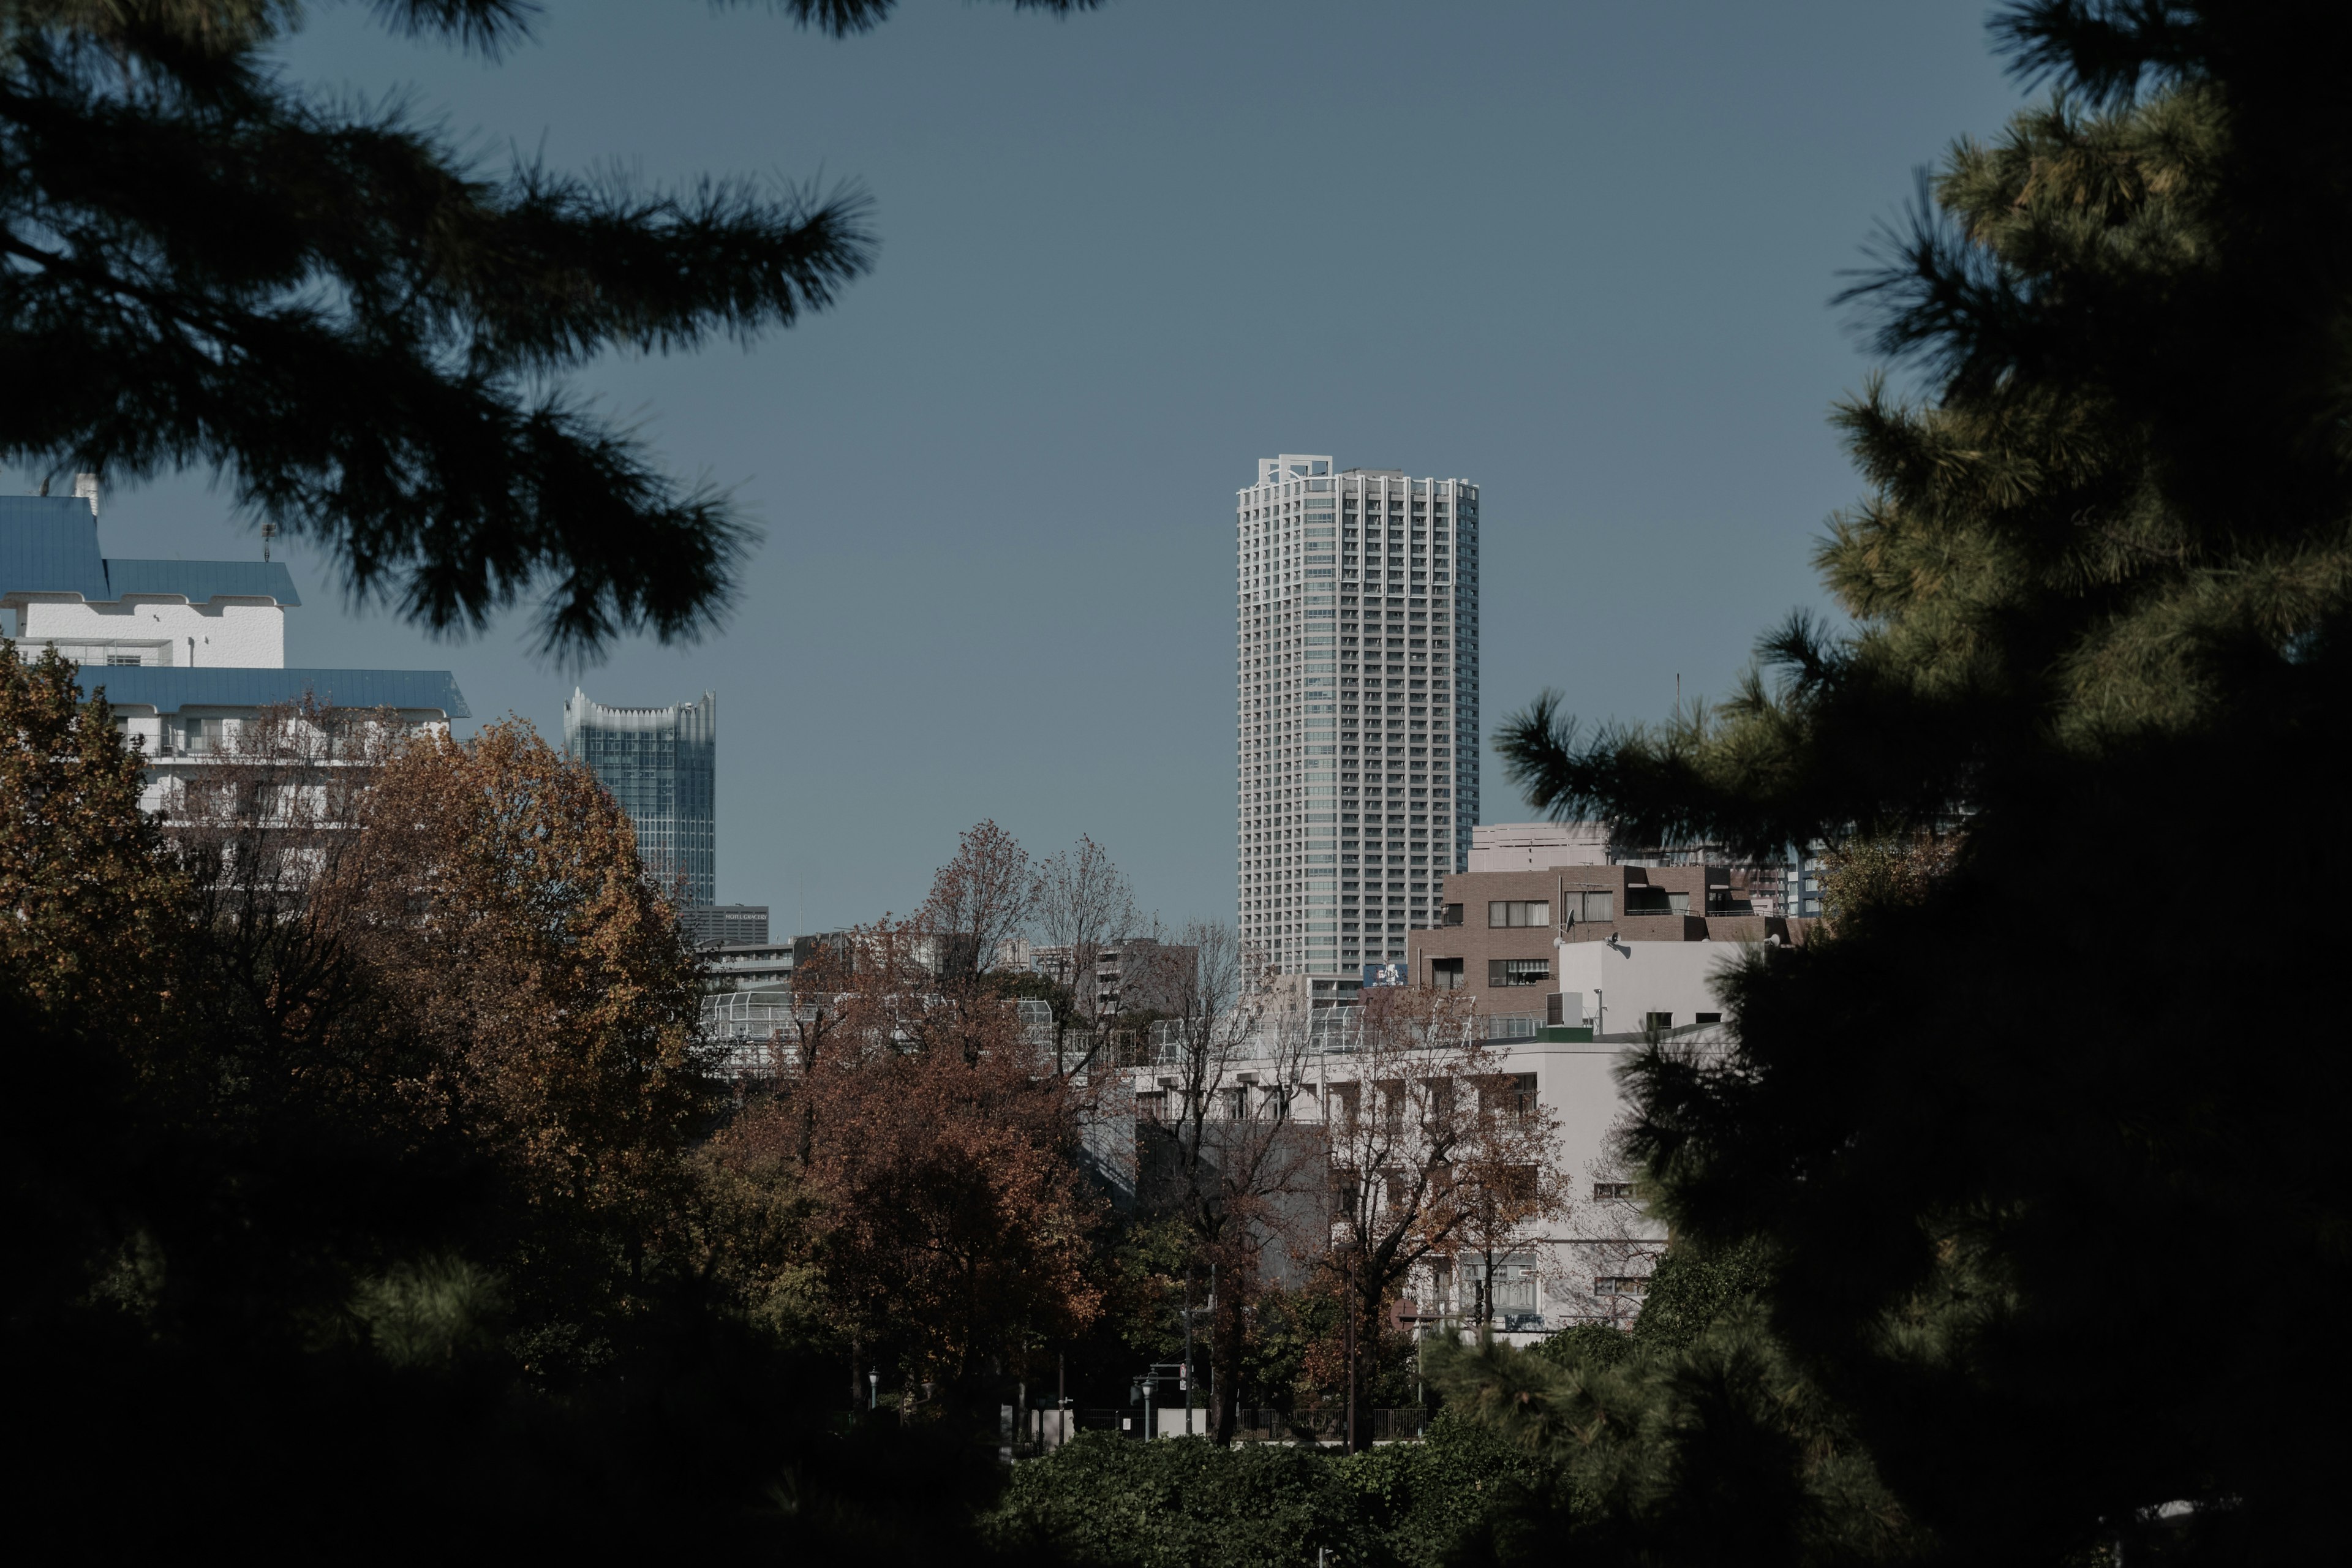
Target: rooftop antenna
point(269, 531)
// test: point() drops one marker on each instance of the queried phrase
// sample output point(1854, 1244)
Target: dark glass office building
point(662, 766)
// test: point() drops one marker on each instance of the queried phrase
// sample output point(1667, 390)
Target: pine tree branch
point(2105, 50)
point(340, 312)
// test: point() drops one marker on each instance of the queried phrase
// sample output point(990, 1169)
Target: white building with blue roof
point(184, 650)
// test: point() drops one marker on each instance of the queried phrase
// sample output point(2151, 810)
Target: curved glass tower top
point(662, 766)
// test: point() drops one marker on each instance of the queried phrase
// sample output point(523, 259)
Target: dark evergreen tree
point(1694, 1438)
point(2043, 1146)
point(362, 329)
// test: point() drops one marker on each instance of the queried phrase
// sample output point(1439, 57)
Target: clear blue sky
point(1580, 253)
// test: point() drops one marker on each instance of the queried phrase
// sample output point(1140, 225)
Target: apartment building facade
point(1638, 946)
point(1357, 711)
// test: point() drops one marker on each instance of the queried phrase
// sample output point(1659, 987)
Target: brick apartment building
point(1515, 938)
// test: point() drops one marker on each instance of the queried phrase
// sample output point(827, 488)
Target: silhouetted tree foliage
point(1107, 1502)
point(1694, 1438)
point(2099, 590)
point(353, 1162)
point(362, 329)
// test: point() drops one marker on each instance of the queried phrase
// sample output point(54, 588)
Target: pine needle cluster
point(365, 331)
point(2010, 1131)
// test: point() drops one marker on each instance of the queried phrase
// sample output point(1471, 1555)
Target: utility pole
point(1187, 1380)
point(1349, 1298)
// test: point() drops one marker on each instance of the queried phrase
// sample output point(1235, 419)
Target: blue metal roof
point(169, 688)
point(48, 544)
point(202, 580)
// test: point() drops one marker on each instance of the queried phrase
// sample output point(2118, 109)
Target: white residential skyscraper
point(1358, 699)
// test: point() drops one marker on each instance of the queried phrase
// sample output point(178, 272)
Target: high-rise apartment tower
point(662, 766)
point(1358, 699)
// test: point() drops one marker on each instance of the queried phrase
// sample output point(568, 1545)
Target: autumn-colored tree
point(298, 1221)
point(221, 1111)
point(1506, 1180)
point(945, 1225)
point(501, 899)
point(954, 1223)
point(1225, 1153)
point(94, 921)
point(93, 912)
point(208, 1133)
point(1082, 902)
point(267, 832)
point(980, 901)
point(1422, 1136)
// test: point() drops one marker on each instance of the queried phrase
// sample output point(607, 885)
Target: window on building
point(1512, 912)
point(1454, 914)
point(1511, 1288)
point(1506, 972)
point(1596, 906)
point(1511, 1095)
point(1603, 1191)
point(1657, 1020)
point(1708, 1018)
point(1619, 1285)
point(1445, 973)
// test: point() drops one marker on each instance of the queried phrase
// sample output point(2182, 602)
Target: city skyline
point(987, 474)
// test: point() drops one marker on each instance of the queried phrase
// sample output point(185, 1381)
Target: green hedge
point(1107, 1501)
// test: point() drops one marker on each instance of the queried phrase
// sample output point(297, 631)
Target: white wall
point(1577, 1084)
point(1537, 846)
point(239, 634)
point(1629, 979)
point(169, 770)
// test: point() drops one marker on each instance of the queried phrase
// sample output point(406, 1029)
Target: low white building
point(185, 651)
point(1590, 1262)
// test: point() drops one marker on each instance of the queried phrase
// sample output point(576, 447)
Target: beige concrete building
point(1515, 940)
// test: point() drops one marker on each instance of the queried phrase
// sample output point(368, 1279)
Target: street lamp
point(874, 1388)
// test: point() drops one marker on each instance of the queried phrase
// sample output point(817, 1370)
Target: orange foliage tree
point(92, 911)
point(947, 1224)
point(501, 898)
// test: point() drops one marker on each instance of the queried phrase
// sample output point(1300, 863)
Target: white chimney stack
point(86, 488)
